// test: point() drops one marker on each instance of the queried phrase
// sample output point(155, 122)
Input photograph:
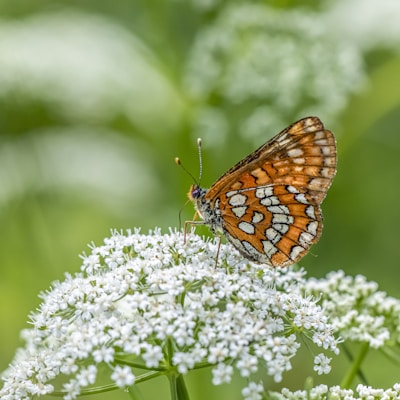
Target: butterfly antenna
point(197, 182)
point(200, 159)
point(178, 162)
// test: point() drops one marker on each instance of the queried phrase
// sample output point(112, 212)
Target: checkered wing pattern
point(268, 204)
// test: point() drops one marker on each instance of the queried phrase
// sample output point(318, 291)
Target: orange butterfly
point(268, 204)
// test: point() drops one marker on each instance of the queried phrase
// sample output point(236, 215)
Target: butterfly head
point(196, 195)
point(195, 192)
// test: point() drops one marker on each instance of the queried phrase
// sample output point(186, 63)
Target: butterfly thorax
point(209, 213)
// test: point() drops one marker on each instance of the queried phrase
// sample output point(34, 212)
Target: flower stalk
point(355, 368)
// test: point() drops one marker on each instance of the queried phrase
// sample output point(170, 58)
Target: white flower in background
point(87, 72)
point(264, 66)
point(86, 68)
point(357, 309)
point(321, 364)
point(150, 304)
point(123, 376)
point(375, 25)
point(253, 391)
point(86, 162)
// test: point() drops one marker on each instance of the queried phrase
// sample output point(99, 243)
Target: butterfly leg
point(192, 222)
point(202, 223)
point(218, 248)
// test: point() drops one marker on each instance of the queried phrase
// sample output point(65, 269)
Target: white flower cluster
point(358, 311)
point(323, 392)
point(269, 65)
point(85, 67)
point(153, 302)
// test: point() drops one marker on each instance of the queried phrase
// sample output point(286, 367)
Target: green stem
point(355, 367)
point(181, 386)
point(111, 386)
point(173, 386)
point(120, 361)
point(178, 387)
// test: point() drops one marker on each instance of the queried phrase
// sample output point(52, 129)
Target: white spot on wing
point(272, 235)
point(281, 228)
point(263, 192)
point(299, 169)
point(269, 248)
point(320, 135)
point(236, 242)
point(305, 239)
point(326, 150)
point(246, 227)
point(251, 250)
point(239, 211)
point(300, 160)
point(312, 228)
point(330, 161)
point(270, 201)
point(282, 219)
point(295, 252)
point(301, 198)
point(295, 152)
point(257, 217)
point(317, 182)
point(310, 212)
point(326, 172)
point(291, 189)
point(237, 200)
point(278, 210)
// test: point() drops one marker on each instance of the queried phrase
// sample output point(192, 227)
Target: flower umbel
point(150, 305)
point(323, 392)
point(292, 64)
point(357, 309)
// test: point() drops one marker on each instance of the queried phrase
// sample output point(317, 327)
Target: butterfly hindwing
point(274, 224)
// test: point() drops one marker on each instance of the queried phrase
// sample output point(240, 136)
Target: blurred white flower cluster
point(85, 68)
point(357, 309)
point(265, 66)
point(86, 72)
point(152, 303)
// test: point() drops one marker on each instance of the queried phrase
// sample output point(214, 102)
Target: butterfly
point(268, 204)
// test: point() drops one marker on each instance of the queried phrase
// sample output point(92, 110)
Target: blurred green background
point(98, 97)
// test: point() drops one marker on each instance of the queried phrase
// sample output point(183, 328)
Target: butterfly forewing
point(302, 155)
point(267, 205)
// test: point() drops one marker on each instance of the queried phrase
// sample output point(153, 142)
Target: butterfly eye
point(195, 192)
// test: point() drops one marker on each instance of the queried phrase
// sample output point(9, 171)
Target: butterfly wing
point(268, 204)
point(273, 224)
point(303, 155)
